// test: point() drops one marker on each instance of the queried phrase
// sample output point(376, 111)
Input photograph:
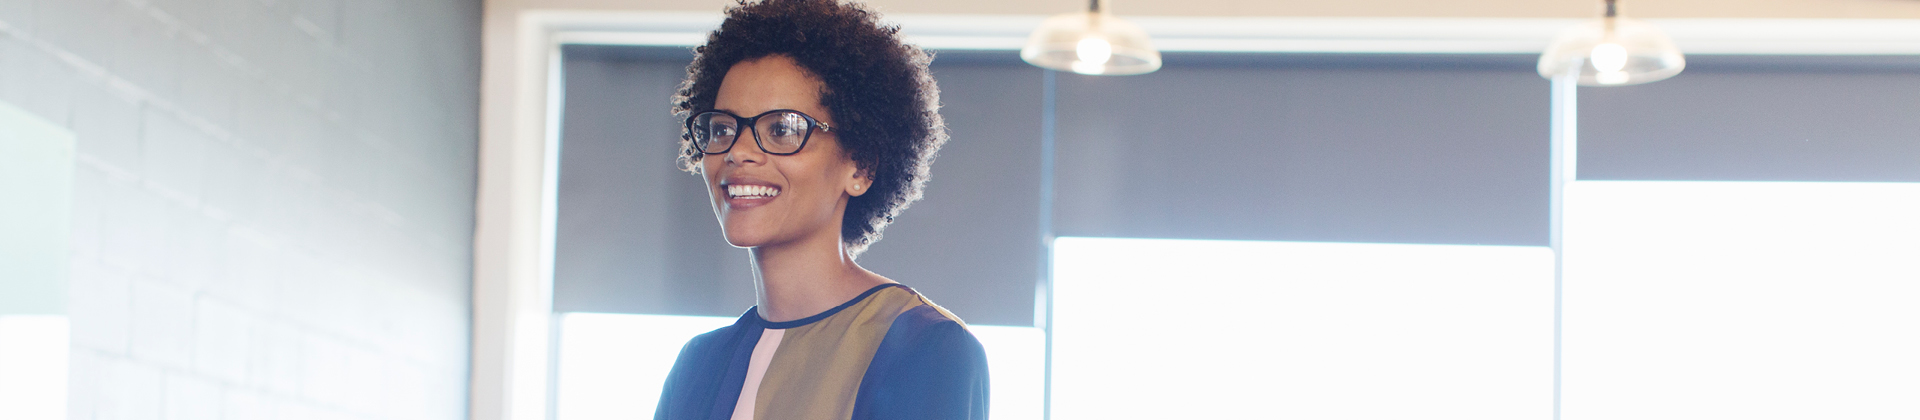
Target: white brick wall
point(273, 206)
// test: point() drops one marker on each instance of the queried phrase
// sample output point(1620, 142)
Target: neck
point(797, 280)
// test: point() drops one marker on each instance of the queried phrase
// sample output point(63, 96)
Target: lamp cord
point(1611, 10)
point(1095, 6)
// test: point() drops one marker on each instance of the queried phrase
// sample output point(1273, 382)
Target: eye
point(783, 130)
point(788, 125)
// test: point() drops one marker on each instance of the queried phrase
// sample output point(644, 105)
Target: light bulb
point(1611, 51)
point(1083, 67)
point(1092, 41)
point(1094, 51)
point(1611, 77)
point(1609, 57)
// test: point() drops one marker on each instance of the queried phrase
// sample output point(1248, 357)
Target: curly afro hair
point(885, 104)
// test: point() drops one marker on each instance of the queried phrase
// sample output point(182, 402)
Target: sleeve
point(670, 391)
point(935, 370)
point(706, 376)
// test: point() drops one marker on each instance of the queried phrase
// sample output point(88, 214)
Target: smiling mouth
point(751, 191)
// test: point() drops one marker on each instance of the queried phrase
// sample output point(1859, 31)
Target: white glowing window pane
point(1166, 329)
point(1741, 300)
point(33, 367)
point(613, 365)
point(1017, 368)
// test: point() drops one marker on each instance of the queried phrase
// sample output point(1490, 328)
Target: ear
point(859, 183)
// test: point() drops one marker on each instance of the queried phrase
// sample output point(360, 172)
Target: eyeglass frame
point(753, 123)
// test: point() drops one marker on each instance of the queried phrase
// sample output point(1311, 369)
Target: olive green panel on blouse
point(819, 365)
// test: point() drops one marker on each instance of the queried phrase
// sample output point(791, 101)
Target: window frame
point(513, 325)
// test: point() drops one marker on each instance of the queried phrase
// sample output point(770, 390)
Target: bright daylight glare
point(1166, 329)
point(33, 367)
point(612, 365)
point(1742, 300)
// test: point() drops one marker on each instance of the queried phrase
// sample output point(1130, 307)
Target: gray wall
point(273, 205)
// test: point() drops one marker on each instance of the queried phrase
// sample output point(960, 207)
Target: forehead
point(769, 83)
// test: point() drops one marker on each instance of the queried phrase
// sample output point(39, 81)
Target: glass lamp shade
point(1613, 51)
point(1091, 42)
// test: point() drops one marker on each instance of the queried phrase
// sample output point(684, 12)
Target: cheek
point(817, 188)
point(708, 170)
point(708, 173)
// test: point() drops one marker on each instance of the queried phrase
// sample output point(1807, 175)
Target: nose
point(746, 149)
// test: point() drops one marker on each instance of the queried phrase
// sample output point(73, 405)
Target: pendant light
point(1613, 51)
point(1094, 42)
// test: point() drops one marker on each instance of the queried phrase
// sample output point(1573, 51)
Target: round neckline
point(755, 311)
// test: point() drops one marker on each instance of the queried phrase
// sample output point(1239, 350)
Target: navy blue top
point(927, 366)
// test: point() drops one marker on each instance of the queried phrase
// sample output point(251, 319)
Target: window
point(33, 366)
point(1741, 300)
point(1158, 329)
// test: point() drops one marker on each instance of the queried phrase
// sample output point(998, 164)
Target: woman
point(813, 126)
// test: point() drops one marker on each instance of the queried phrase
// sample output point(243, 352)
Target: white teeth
point(751, 191)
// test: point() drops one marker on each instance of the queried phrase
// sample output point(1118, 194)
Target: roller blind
point(1335, 148)
point(1754, 118)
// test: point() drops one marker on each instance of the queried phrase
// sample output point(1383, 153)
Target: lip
point(742, 203)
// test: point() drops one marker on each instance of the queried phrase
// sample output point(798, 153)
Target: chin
point(739, 242)
point(746, 236)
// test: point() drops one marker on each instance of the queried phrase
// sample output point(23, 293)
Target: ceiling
point(1791, 9)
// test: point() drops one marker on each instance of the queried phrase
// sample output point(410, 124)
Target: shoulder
point(702, 359)
point(717, 345)
point(709, 368)
point(926, 327)
point(928, 366)
point(718, 338)
point(708, 354)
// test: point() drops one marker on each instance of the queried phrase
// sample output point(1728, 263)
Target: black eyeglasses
point(777, 132)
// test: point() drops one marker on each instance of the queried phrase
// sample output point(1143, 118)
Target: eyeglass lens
point(780, 132)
